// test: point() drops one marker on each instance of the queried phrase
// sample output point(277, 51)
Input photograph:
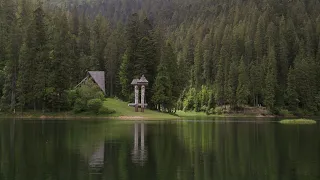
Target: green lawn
point(122, 109)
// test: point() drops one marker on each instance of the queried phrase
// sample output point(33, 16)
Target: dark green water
point(186, 150)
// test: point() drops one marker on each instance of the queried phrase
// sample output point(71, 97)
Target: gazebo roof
point(99, 78)
point(143, 80)
point(134, 81)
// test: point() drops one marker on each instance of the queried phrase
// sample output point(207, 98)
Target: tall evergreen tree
point(232, 85)
point(124, 77)
point(270, 80)
point(34, 66)
point(243, 85)
point(100, 33)
point(61, 61)
point(165, 90)
point(292, 95)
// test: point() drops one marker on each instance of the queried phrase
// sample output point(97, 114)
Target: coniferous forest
point(196, 54)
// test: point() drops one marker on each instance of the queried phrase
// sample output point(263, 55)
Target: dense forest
point(196, 54)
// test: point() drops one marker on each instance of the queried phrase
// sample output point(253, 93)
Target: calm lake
point(220, 149)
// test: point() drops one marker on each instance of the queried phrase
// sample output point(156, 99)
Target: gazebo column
point(136, 98)
point(142, 97)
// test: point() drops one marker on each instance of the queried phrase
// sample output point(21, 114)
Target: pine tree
point(197, 67)
point(9, 61)
point(61, 62)
point(162, 87)
point(23, 84)
point(282, 63)
point(243, 85)
point(124, 77)
point(292, 95)
point(100, 32)
point(270, 80)
point(232, 85)
point(85, 60)
point(219, 84)
point(34, 66)
point(207, 64)
point(306, 81)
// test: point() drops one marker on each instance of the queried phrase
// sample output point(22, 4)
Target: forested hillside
point(197, 54)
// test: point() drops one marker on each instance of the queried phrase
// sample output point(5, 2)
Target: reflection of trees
point(250, 150)
point(200, 151)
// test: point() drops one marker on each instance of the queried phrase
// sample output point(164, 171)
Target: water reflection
point(139, 153)
point(62, 150)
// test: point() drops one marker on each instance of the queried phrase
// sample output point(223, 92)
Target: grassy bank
point(122, 111)
point(298, 121)
point(202, 114)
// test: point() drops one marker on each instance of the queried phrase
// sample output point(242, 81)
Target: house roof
point(99, 78)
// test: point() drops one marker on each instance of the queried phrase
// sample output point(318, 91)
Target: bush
point(218, 110)
point(203, 108)
point(71, 97)
point(209, 111)
point(94, 105)
point(90, 90)
point(80, 105)
point(285, 112)
point(99, 95)
point(105, 110)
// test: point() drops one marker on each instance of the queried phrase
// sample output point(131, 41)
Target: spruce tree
point(270, 80)
point(162, 87)
point(124, 77)
point(197, 67)
point(292, 95)
point(232, 85)
point(100, 33)
point(243, 84)
point(61, 62)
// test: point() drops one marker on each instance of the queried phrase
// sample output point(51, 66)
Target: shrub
point(80, 105)
point(209, 111)
point(90, 90)
point(71, 97)
point(105, 110)
point(218, 110)
point(203, 108)
point(99, 95)
point(94, 105)
point(285, 112)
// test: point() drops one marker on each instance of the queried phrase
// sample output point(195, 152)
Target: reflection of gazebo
point(96, 160)
point(98, 77)
point(139, 153)
point(142, 82)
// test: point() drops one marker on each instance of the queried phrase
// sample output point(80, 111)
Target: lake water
point(233, 149)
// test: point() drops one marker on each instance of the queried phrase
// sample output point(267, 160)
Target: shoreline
point(127, 117)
